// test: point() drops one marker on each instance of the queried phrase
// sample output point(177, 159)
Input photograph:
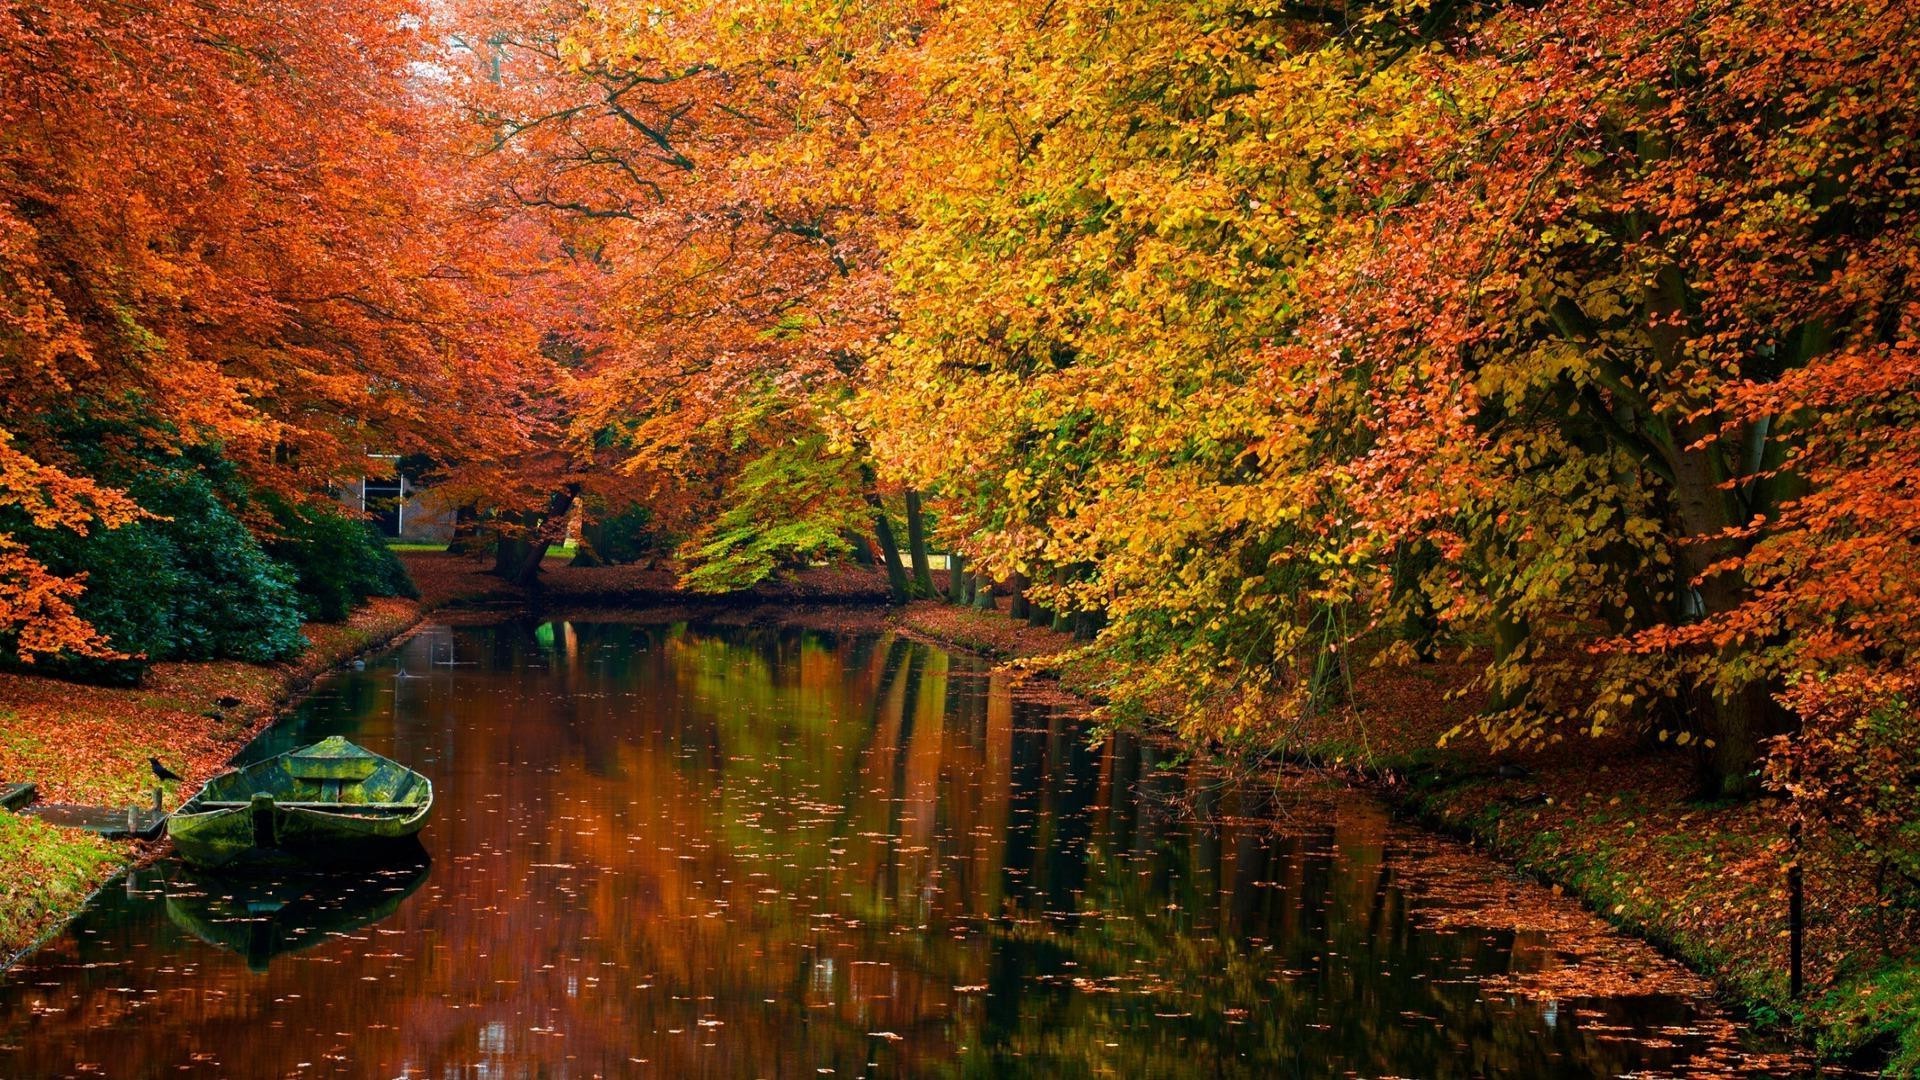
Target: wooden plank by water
point(229, 804)
point(15, 796)
point(112, 822)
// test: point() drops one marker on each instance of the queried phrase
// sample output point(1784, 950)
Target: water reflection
point(757, 852)
point(260, 918)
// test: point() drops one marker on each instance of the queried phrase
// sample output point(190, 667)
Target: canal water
point(694, 850)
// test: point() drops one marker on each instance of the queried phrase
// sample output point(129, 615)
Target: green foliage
point(619, 538)
point(337, 561)
point(189, 583)
point(1880, 1009)
point(792, 504)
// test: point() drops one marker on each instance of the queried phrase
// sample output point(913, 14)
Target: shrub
point(191, 583)
point(337, 561)
point(618, 539)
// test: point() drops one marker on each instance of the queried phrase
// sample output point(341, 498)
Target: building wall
point(415, 516)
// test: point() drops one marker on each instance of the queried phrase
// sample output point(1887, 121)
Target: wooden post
point(1796, 916)
point(157, 805)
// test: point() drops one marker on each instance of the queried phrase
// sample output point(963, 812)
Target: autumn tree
point(711, 162)
point(242, 228)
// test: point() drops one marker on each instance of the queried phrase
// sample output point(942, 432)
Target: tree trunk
point(1019, 607)
point(982, 592)
point(917, 546)
point(862, 551)
point(1734, 724)
point(1062, 618)
point(593, 536)
point(518, 555)
point(899, 590)
point(1509, 633)
point(957, 578)
point(466, 532)
point(1037, 615)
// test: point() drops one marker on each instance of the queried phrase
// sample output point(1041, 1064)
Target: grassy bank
point(1613, 822)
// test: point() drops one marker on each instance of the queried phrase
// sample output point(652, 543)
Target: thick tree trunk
point(1062, 618)
point(917, 546)
point(862, 551)
point(1733, 724)
point(518, 555)
point(466, 538)
point(1019, 607)
point(1037, 615)
point(899, 590)
point(982, 592)
point(1509, 633)
point(957, 578)
point(593, 536)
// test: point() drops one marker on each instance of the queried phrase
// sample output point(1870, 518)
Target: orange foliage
point(247, 226)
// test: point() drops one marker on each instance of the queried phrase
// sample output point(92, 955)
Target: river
point(705, 850)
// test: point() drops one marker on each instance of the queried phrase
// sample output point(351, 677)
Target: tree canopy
point(1266, 340)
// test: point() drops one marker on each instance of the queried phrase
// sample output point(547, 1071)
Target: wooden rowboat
point(326, 802)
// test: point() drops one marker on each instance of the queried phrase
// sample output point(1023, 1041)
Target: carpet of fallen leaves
point(1612, 821)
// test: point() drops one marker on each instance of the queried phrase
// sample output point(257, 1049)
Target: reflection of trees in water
point(645, 828)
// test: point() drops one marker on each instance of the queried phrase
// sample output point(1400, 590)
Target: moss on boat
point(330, 801)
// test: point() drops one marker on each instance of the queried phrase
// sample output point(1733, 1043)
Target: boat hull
point(230, 837)
point(330, 802)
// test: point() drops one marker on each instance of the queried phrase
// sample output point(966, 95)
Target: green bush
point(618, 539)
point(191, 583)
point(337, 561)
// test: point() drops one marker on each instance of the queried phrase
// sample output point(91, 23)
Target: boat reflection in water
point(264, 917)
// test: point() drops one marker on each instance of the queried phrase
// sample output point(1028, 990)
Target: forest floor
point(1610, 820)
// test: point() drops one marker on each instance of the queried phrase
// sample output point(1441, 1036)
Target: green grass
point(1880, 1007)
point(44, 874)
point(557, 551)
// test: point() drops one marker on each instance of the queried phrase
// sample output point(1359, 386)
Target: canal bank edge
point(50, 874)
point(1642, 866)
